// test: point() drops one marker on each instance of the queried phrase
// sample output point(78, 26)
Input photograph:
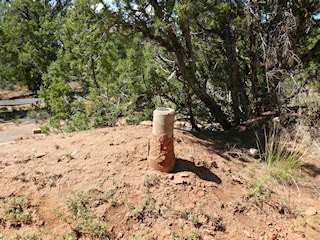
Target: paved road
point(20, 101)
point(11, 138)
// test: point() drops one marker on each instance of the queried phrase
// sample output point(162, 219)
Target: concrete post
point(160, 148)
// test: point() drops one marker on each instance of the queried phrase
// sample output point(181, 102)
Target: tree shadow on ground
point(241, 137)
point(202, 172)
point(7, 116)
point(12, 115)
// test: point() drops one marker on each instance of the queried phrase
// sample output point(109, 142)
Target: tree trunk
point(234, 80)
point(254, 70)
point(93, 69)
point(193, 124)
point(186, 66)
point(189, 75)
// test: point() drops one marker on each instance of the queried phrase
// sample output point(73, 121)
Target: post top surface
point(164, 110)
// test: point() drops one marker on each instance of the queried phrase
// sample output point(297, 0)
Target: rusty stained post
point(160, 148)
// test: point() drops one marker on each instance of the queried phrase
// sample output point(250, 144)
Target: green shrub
point(27, 236)
point(82, 219)
point(183, 236)
point(3, 236)
point(45, 129)
point(15, 210)
point(282, 159)
point(32, 114)
point(260, 189)
point(145, 208)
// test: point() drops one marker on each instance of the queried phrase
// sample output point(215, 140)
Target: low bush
point(282, 156)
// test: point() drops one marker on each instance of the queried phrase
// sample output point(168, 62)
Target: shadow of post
point(202, 172)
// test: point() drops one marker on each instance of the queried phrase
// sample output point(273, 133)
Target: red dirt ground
point(207, 194)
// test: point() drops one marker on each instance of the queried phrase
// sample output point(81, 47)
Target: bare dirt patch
point(209, 195)
point(16, 92)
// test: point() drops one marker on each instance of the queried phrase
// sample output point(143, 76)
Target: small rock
point(208, 238)
point(254, 152)
point(276, 120)
point(189, 189)
point(39, 155)
point(237, 180)
point(214, 164)
point(247, 233)
point(111, 228)
point(178, 180)
point(74, 153)
point(146, 123)
point(209, 232)
point(180, 124)
point(185, 174)
point(274, 235)
point(170, 177)
point(41, 223)
point(203, 219)
point(311, 211)
point(120, 235)
point(191, 157)
point(181, 178)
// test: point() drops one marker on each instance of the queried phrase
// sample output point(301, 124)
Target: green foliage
point(38, 114)
point(81, 218)
point(27, 236)
point(96, 65)
point(193, 218)
point(94, 81)
point(3, 236)
point(202, 203)
point(149, 181)
point(17, 121)
point(282, 160)
point(97, 112)
point(28, 40)
point(190, 236)
point(45, 129)
point(260, 189)
point(15, 211)
point(145, 208)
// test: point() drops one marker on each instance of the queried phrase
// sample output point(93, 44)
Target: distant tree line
point(213, 61)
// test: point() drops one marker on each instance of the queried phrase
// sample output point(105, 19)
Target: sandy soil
point(17, 92)
point(207, 193)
